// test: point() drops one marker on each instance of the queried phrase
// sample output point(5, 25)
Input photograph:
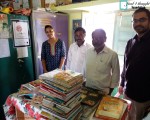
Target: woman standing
point(53, 51)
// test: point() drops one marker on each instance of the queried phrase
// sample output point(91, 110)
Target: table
point(14, 102)
point(20, 108)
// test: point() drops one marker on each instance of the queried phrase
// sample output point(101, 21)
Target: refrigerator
point(39, 19)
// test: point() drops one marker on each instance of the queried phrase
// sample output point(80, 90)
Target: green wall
point(12, 72)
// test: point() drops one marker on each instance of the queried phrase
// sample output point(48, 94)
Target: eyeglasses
point(141, 20)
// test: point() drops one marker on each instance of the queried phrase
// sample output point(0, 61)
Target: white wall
point(92, 21)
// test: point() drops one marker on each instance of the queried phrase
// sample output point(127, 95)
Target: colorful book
point(111, 108)
point(35, 83)
point(69, 116)
point(50, 75)
point(66, 78)
point(61, 88)
point(90, 96)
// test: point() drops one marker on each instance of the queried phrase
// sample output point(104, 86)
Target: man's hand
point(120, 89)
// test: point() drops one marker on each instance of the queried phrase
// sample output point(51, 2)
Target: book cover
point(90, 96)
point(110, 108)
point(50, 75)
point(88, 110)
point(65, 78)
point(68, 78)
point(34, 84)
point(67, 75)
point(25, 89)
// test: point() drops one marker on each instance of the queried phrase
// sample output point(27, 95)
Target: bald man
point(101, 65)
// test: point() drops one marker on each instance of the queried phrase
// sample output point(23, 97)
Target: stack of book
point(61, 91)
point(111, 108)
point(29, 88)
point(90, 100)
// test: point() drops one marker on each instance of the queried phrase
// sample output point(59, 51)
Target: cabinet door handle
point(20, 61)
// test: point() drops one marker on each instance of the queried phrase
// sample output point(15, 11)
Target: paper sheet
point(21, 35)
point(22, 52)
point(4, 48)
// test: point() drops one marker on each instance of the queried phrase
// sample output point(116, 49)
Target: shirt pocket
point(102, 67)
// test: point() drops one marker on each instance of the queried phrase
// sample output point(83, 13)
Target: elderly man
point(101, 64)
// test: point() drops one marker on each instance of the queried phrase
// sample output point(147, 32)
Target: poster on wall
point(20, 33)
point(4, 28)
point(77, 23)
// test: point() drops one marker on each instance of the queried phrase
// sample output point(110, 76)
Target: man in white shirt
point(77, 51)
point(101, 64)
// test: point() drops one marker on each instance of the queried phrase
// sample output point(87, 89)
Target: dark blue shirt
point(53, 61)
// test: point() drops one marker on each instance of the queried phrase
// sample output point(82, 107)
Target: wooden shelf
point(76, 6)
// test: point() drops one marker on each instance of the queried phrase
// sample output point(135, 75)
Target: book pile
point(30, 88)
point(61, 91)
point(111, 108)
point(90, 96)
point(90, 100)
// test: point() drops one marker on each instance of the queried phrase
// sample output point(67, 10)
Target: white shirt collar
point(84, 44)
